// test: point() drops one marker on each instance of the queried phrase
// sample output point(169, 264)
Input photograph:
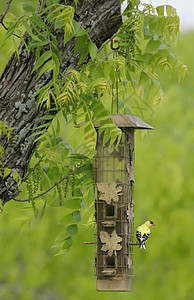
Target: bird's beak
point(154, 224)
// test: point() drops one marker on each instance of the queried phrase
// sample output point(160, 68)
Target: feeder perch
point(114, 206)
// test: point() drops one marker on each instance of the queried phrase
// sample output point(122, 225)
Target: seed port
point(110, 261)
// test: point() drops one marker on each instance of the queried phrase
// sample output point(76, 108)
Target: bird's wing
point(139, 236)
point(142, 237)
point(145, 237)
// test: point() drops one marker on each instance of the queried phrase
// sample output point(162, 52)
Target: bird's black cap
point(152, 223)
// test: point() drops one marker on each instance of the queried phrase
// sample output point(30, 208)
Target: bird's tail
point(142, 245)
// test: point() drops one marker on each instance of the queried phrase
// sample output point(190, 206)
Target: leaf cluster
point(58, 177)
point(147, 38)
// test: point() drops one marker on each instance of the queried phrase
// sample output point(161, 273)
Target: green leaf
point(78, 156)
point(83, 55)
point(77, 216)
point(53, 38)
point(135, 3)
point(42, 126)
point(74, 203)
point(152, 46)
point(29, 30)
point(58, 127)
point(182, 72)
point(69, 35)
point(68, 242)
point(34, 44)
point(80, 43)
point(160, 10)
point(43, 209)
point(62, 252)
point(163, 47)
point(39, 22)
point(171, 11)
point(56, 50)
point(148, 57)
point(143, 78)
point(45, 169)
point(82, 31)
point(12, 28)
point(71, 218)
point(107, 69)
point(16, 177)
point(47, 117)
point(27, 7)
point(56, 65)
point(37, 133)
point(71, 229)
point(48, 66)
point(9, 19)
point(92, 50)
point(6, 172)
point(42, 59)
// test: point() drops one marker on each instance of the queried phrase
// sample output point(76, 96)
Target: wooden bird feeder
point(114, 206)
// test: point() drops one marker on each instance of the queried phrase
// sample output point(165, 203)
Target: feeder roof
point(128, 121)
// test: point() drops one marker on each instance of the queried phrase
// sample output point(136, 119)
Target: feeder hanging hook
point(111, 44)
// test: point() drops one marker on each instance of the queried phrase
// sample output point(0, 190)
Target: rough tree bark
point(17, 86)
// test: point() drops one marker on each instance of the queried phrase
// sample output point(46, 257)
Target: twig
point(26, 200)
point(135, 244)
point(90, 243)
point(109, 54)
point(4, 14)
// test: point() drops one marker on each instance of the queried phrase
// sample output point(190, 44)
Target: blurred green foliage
point(164, 193)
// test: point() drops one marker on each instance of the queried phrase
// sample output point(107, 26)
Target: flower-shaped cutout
point(111, 242)
point(109, 191)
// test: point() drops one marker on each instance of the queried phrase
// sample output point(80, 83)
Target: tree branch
point(109, 54)
point(4, 14)
point(26, 200)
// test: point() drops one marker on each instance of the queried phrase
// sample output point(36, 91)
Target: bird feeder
point(114, 206)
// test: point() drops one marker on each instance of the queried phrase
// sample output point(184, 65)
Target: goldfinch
point(143, 232)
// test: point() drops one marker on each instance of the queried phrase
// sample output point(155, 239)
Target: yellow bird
point(143, 232)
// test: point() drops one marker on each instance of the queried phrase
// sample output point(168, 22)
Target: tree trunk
point(18, 108)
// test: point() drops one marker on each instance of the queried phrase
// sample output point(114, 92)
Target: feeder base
point(116, 284)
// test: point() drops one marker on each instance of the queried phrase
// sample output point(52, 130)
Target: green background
point(164, 183)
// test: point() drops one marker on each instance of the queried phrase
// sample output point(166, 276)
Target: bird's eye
point(151, 222)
